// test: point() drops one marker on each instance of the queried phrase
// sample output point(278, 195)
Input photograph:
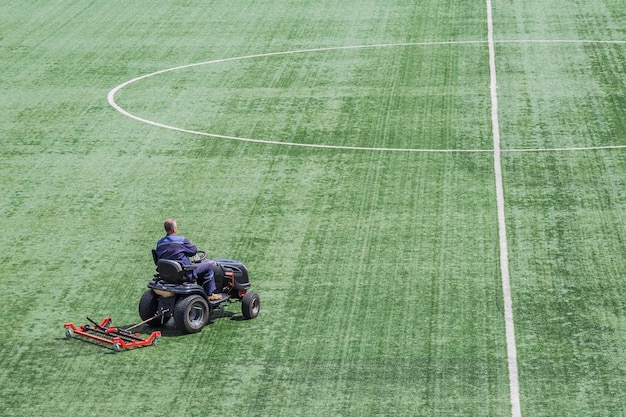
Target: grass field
point(344, 152)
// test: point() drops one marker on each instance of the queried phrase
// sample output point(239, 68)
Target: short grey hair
point(170, 226)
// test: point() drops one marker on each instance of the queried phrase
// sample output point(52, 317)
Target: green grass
point(567, 222)
point(378, 271)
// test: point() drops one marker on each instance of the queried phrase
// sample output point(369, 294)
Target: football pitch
point(430, 198)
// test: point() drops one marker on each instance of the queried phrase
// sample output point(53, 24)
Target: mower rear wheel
point(250, 305)
point(148, 305)
point(191, 314)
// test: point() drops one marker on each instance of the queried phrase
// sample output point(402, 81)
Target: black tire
point(148, 305)
point(191, 314)
point(250, 305)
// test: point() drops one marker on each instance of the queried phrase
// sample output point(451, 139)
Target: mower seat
point(173, 272)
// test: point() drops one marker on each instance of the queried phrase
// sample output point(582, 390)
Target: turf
point(378, 271)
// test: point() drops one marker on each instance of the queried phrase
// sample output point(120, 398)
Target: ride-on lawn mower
point(173, 293)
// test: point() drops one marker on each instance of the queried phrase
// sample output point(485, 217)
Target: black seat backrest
point(171, 271)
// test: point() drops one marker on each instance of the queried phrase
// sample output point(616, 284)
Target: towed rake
point(118, 338)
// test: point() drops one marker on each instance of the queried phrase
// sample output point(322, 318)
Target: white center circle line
point(120, 109)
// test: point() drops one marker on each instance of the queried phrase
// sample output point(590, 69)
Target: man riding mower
point(175, 292)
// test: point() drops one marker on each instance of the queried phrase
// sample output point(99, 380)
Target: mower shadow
point(169, 329)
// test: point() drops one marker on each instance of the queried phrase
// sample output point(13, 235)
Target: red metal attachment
point(118, 338)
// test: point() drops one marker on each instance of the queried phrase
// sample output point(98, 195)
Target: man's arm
point(189, 248)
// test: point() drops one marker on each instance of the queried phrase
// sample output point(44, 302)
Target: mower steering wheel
point(199, 256)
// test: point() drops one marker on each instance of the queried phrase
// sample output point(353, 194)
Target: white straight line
point(511, 348)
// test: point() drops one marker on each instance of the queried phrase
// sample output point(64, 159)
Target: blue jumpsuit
point(178, 248)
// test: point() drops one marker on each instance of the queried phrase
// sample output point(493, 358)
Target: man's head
point(170, 226)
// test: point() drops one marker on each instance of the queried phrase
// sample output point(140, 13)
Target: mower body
point(173, 294)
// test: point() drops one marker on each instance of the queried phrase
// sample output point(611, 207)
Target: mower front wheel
point(250, 305)
point(191, 314)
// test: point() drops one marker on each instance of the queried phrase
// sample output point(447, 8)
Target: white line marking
point(555, 41)
point(114, 91)
point(579, 148)
point(511, 348)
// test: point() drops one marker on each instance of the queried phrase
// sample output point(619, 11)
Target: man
point(178, 248)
